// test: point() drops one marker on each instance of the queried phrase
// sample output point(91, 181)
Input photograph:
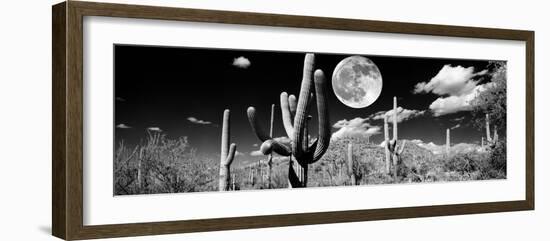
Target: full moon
point(357, 82)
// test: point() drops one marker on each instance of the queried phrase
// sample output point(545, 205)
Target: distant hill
point(460, 148)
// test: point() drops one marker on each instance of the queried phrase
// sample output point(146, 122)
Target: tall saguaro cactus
point(233, 185)
point(270, 157)
point(227, 154)
point(295, 114)
point(395, 118)
point(448, 143)
point(386, 145)
point(488, 128)
point(491, 140)
point(351, 173)
point(391, 146)
point(140, 158)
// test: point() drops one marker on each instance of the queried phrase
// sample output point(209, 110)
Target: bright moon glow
point(357, 82)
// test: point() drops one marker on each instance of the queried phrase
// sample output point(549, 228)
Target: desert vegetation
point(162, 165)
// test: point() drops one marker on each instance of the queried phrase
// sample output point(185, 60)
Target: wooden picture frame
point(67, 150)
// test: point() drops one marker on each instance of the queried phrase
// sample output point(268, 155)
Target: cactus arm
point(391, 145)
point(323, 140)
point(271, 146)
point(292, 105)
point(272, 120)
point(301, 114)
point(286, 112)
point(255, 124)
point(231, 154)
point(402, 147)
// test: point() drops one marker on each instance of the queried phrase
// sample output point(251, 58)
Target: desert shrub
point(497, 158)
point(162, 165)
point(459, 163)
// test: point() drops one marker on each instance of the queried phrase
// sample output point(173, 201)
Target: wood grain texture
point(67, 153)
point(530, 120)
point(59, 193)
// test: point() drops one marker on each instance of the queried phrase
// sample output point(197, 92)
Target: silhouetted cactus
point(227, 154)
point(295, 117)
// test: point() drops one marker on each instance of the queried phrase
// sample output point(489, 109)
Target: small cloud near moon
point(241, 62)
point(123, 126)
point(154, 129)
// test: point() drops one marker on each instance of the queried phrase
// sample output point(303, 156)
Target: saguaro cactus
point(140, 158)
point(227, 154)
point(391, 146)
point(251, 175)
point(488, 128)
point(397, 158)
point(386, 145)
point(294, 116)
point(233, 186)
point(259, 172)
point(270, 157)
point(495, 135)
point(351, 172)
point(448, 143)
point(395, 118)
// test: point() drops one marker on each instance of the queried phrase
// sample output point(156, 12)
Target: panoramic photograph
point(206, 120)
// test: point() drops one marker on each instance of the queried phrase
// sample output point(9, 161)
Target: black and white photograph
point(205, 120)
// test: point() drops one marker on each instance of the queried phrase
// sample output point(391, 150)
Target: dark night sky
point(162, 87)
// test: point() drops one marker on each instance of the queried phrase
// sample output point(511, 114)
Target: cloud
point(123, 126)
point(452, 104)
point(456, 86)
point(241, 62)
point(197, 121)
point(255, 145)
point(454, 81)
point(402, 114)
point(238, 153)
point(434, 148)
point(120, 99)
point(357, 127)
point(154, 128)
